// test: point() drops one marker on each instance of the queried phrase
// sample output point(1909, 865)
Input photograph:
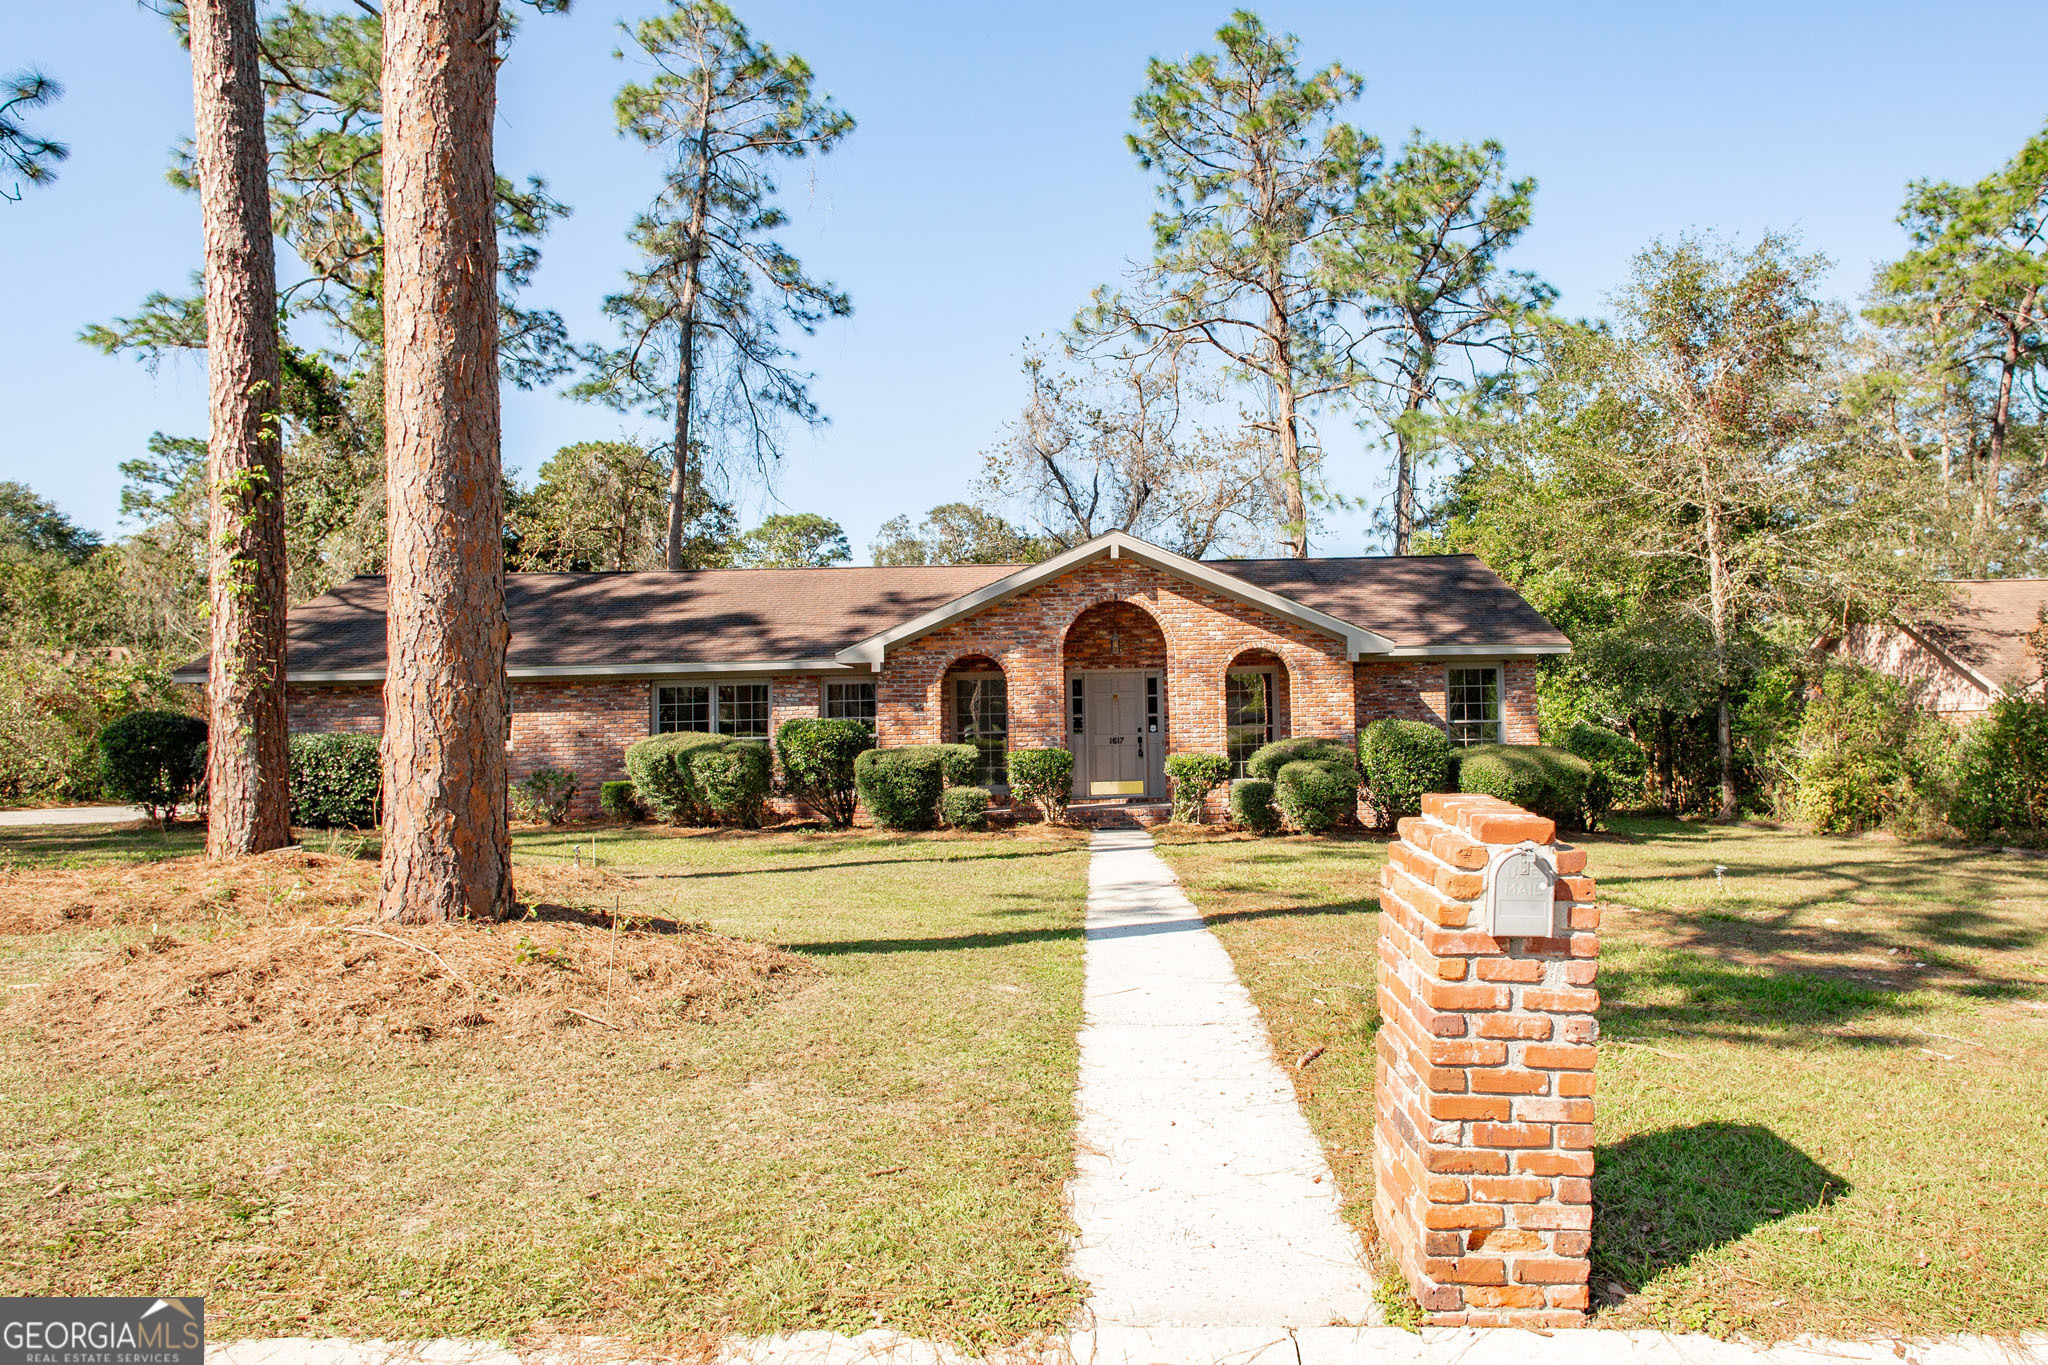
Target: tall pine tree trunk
point(447, 850)
point(249, 805)
point(1287, 420)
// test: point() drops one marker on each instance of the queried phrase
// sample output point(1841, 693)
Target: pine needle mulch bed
point(1820, 1099)
point(804, 1080)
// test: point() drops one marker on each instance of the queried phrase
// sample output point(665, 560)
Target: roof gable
point(1115, 545)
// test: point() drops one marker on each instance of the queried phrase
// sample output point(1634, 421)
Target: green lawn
point(1820, 1082)
point(885, 1141)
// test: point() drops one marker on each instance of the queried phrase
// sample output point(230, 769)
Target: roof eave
point(1475, 651)
point(1358, 641)
point(660, 669)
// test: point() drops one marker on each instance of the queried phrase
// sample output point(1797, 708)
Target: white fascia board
point(1473, 651)
point(679, 668)
point(1117, 545)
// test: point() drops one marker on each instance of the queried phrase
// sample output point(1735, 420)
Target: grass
point(886, 1141)
point(1819, 1088)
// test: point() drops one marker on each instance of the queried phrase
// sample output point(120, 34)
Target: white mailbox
point(1521, 892)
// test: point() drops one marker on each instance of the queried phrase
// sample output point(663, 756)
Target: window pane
point(850, 701)
point(981, 717)
point(1247, 716)
point(743, 709)
point(687, 707)
point(1472, 706)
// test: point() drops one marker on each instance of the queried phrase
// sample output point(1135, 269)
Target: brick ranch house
point(1116, 649)
point(1957, 665)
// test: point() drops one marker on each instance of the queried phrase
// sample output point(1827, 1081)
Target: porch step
point(1120, 814)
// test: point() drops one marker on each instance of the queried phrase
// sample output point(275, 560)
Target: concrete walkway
point(70, 815)
point(1202, 1198)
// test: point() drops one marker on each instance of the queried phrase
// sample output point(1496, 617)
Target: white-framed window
point(1472, 705)
point(1248, 698)
point(725, 708)
point(850, 701)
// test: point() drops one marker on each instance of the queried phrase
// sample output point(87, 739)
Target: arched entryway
point(975, 709)
point(1114, 667)
point(1256, 705)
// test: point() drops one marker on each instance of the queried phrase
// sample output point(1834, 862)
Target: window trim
point(713, 683)
point(1500, 700)
point(874, 699)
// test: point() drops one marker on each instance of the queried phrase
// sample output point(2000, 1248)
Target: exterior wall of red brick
point(1483, 1150)
point(1026, 637)
point(1414, 689)
point(349, 709)
point(1931, 680)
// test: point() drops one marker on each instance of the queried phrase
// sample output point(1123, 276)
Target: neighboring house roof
point(1986, 634)
point(732, 620)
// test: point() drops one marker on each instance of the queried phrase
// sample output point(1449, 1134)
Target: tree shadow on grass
point(1662, 1198)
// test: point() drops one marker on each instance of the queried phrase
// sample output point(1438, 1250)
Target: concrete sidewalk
point(1202, 1198)
point(70, 815)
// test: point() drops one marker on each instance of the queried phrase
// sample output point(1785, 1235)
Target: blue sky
point(988, 190)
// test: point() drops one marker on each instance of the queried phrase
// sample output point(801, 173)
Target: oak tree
point(793, 540)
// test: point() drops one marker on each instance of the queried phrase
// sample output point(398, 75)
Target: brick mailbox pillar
point(1483, 1150)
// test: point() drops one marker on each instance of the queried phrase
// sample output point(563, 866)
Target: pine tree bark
point(447, 849)
point(249, 804)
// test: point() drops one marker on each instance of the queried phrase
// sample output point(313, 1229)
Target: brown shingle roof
point(1988, 629)
point(617, 622)
point(1417, 601)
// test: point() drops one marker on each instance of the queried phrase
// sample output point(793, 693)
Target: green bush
point(543, 795)
point(697, 778)
point(1536, 777)
point(1045, 778)
point(1863, 756)
point(1314, 794)
point(1401, 761)
point(1267, 761)
point(1251, 805)
point(957, 763)
point(619, 802)
point(965, 807)
point(153, 759)
point(1620, 767)
point(818, 757)
point(336, 780)
point(2002, 771)
point(900, 787)
point(1194, 777)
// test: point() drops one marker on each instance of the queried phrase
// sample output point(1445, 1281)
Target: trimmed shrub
point(697, 778)
point(2002, 771)
point(1401, 761)
point(900, 787)
point(965, 807)
point(619, 802)
point(337, 780)
point(1536, 777)
point(1251, 805)
point(1619, 764)
point(1268, 761)
point(153, 759)
point(1045, 778)
point(957, 763)
point(1194, 777)
point(1314, 794)
point(543, 795)
point(818, 756)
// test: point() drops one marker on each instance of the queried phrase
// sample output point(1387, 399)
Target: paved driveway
point(70, 815)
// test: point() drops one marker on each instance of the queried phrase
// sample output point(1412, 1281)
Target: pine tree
point(701, 316)
point(248, 802)
point(447, 848)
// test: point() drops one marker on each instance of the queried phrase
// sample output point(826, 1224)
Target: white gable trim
point(1117, 545)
